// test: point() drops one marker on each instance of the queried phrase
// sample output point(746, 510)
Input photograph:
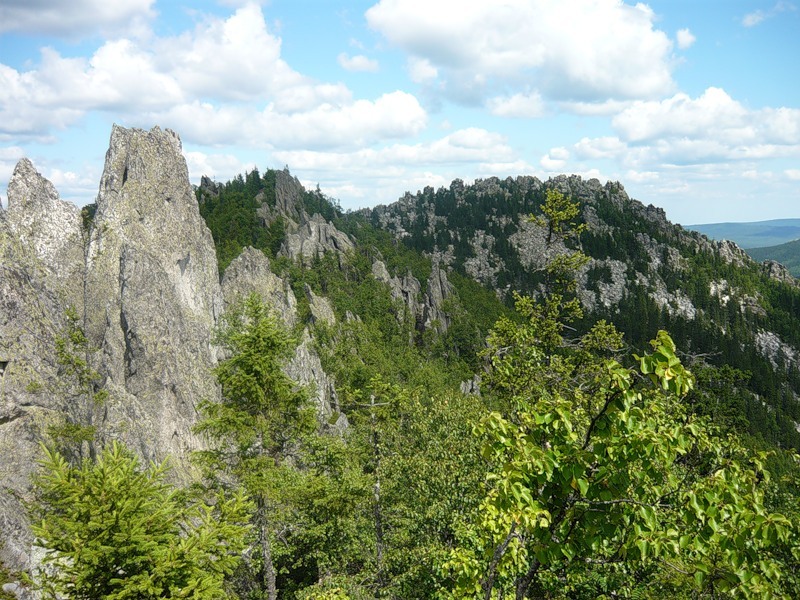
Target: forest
point(625, 453)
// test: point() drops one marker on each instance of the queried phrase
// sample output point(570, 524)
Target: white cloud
point(600, 148)
point(327, 126)
point(359, 62)
point(52, 17)
point(757, 16)
point(519, 105)
point(462, 146)
point(712, 125)
point(793, 174)
point(232, 59)
point(681, 115)
point(524, 43)
point(421, 70)
point(753, 18)
point(220, 167)
point(224, 82)
point(555, 159)
point(642, 176)
point(685, 39)
point(595, 109)
point(367, 176)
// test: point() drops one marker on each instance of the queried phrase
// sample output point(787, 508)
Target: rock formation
point(153, 292)
point(313, 239)
point(250, 273)
point(141, 274)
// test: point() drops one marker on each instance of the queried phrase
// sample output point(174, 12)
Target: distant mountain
point(757, 234)
point(787, 254)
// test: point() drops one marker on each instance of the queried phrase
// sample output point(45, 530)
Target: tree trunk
point(267, 567)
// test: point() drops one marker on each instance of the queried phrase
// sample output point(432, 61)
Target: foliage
point(231, 215)
point(257, 427)
point(114, 530)
point(602, 480)
point(615, 476)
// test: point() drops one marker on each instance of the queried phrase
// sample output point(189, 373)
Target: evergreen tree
point(258, 428)
point(115, 530)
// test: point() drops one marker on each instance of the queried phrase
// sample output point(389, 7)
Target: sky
point(693, 105)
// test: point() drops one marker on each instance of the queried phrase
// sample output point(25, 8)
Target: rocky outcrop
point(306, 369)
point(250, 273)
point(154, 294)
point(406, 289)
point(49, 226)
point(146, 267)
point(731, 253)
point(778, 272)
point(438, 290)
point(484, 265)
point(320, 308)
point(428, 314)
point(606, 292)
point(779, 353)
point(313, 239)
point(530, 242)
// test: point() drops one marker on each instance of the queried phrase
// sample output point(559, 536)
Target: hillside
point(787, 254)
point(757, 234)
point(426, 399)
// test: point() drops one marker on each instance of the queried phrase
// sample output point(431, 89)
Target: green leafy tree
point(600, 479)
point(115, 530)
point(258, 428)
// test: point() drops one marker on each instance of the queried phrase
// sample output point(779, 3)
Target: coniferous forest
point(531, 439)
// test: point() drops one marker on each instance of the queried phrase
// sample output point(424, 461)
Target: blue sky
point(694, 105)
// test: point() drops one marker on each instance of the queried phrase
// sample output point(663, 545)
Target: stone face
point(51, 227)
point(321, 309)
point(41, 260)
point(250, 273)
point(143, 278)
point(485, 264)
point(154, 292)
point(731, 253)
point(438, 290)
point(778, 272)
point(406, 289)
point(313, 239)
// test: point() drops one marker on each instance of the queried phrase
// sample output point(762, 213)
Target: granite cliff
point(139, 272)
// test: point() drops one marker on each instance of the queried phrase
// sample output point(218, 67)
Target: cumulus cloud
point(682, 134)
point(218, 166)
point(187, 82)
point(470, 145)
point(793, 174)
point(327, 126)
point(522, 44)
point(555, 160)
point(713, 116)
point(607, 147)
point(685, 39)
point(520, 105)
point(82, 16)
point(367, 176)
point(421, 70)
point(359, 62)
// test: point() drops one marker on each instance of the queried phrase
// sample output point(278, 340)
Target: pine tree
point(115, 530)
point(257, 428)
